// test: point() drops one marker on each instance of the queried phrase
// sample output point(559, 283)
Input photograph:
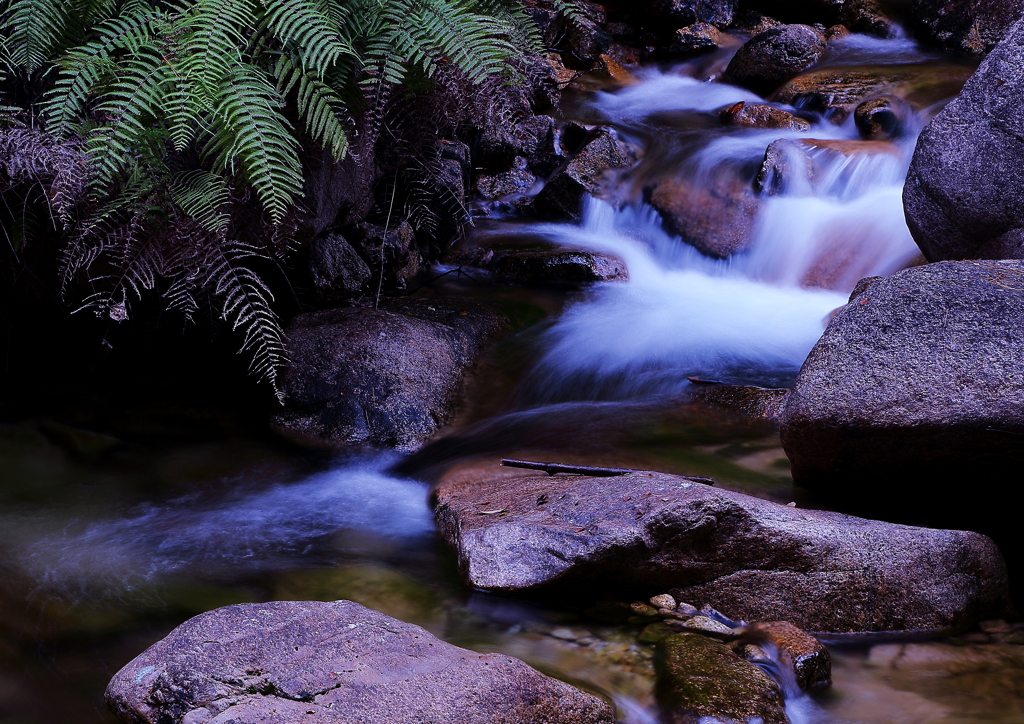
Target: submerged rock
point(964, 26)
point(385, 377)
point(755, 559)
point(332, 663)
point(701, 680)
point(917, 377)
point(959, 199)
point(771, 58)
point(558, 266)
point(717, 217)
point(786, 168)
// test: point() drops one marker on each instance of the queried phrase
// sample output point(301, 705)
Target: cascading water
point(754, 316)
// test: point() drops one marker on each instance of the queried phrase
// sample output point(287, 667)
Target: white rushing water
point(755, 316)
point(250, 529)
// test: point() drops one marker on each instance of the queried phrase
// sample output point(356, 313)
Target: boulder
point(585, 38)
point(917, 379)
point(585, 173)
point(702, 680)
point(964, 26)
point(716, 217)
point(756, 559)
point(688, 12)
point(559, 266)
point(762, 115)
point(517, 180)
point(869, 17)
point(284, 662)
point(961, 198)
point(771, 58)
point(391, 252)
point(386, 377)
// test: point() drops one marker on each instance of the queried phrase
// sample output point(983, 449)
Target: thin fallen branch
point(554, 468)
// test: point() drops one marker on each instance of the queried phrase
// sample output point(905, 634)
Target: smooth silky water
point(105, 552)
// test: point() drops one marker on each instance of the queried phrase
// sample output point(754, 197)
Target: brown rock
point(717, 218)
point(331, 663)
point(696, 38)
point(385, 377)
point(755, 559)
point(701, 680)
point(883, 118)
point(762, 115)
point(805, 656)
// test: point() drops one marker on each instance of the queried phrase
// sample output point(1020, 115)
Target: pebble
point(663, 601)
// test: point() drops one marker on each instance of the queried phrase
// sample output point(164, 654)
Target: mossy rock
point(700, 679)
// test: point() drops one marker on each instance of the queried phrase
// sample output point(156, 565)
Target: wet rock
point(755, 559)
point(701, 680)
point(805, 656)
point(717, 217)
point(958, 199)
point(836, 92)
point(762, 115)
point(531, 137)
point(771, 58)
point(585, 173)
point(695, 38)
point(752, 22)
point(964, 26)
point(916, 379)
point(786, 168)
point(336, 269)
point(706, 626)
point(748, 401)
point(560, 266)
point(883, 118)
point(385, 377)
point(585, 38)
point(331, 663)
point(868, 17)
point(517, 180)
point(688, 12)
point(836, 32)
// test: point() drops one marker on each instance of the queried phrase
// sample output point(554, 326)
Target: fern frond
point(35, 29)
point(319, 106)
point(202, 195)
point(253, 138)
point(301, 25)
point(215, 34)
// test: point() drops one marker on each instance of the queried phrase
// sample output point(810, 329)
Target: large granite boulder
point(919, 378)
point(962, 196)
point(332, 663)
point(769, 59)
point(755, 559)
point(386, 377)
point(972, 27)
point(702, 680)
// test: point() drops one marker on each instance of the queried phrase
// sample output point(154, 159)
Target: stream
point(105, 552)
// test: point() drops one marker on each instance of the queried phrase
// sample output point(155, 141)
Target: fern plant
point(194, 115)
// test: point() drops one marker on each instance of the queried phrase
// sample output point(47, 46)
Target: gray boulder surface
point(962, 196)
point(755, 559)
point(919, 377)
point(387, 377)
point(285, 662)
point(972, 27)
point(769, 59)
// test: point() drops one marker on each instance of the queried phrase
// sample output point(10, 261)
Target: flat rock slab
point(387, 377)
point(332, 663)
point(751, 558)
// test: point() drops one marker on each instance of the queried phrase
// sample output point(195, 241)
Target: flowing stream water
point(102, 559)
